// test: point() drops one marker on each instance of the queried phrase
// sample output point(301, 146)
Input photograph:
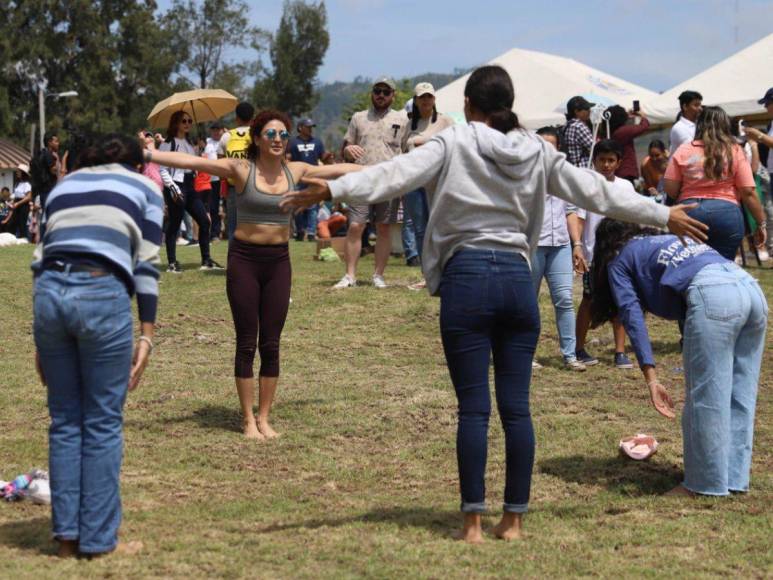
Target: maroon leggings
point(258, 286)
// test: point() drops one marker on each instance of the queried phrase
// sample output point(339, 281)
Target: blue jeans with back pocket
point(83, 334)
point(488, 306)
point(725, 221)
point(724, 338)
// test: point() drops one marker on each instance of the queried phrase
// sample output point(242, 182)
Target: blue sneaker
point(585, 358)
point(622, 361)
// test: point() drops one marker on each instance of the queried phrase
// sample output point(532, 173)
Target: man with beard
point(373, 136)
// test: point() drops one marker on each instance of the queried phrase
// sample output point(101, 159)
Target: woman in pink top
point(713, 172)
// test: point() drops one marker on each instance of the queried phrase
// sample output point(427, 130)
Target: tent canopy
point(11, 155)
point(735, 84)
point(544, 83)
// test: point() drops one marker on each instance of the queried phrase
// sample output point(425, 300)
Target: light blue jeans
point(417, 213)
point(83, 334)
point(555, 264)
point(724, 337)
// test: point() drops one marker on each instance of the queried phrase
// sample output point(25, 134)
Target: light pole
point(42, 108)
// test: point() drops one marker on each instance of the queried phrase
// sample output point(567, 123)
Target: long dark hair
point(260, 121)
point(617, 118)
point(490, 91)
point(416, 115)
point(174, 125)
point(611, 237)
point(111, 148)
point(713, 128)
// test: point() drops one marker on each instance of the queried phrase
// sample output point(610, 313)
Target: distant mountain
point(336, 97)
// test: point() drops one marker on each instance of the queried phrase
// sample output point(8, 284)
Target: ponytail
point(504, 121)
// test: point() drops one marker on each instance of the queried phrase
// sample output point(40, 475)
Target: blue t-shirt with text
point(652, 274)
point(310, 151)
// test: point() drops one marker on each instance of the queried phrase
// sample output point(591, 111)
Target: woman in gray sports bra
point(259, 275)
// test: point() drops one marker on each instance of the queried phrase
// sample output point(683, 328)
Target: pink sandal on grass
point(639, 447)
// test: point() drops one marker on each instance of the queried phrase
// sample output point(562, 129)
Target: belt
point(77, 268)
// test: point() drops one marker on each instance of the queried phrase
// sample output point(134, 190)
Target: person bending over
point(725, 319)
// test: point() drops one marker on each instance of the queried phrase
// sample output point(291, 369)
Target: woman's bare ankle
point(472, 531)
point(250, 428)
point(509, 527)
point(265, 429)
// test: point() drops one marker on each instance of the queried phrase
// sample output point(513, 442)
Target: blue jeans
point(417, 212)
point(724, 337)
point(408, 236)
point(488, 305)
point(83, 334)
point(306, 221)
point(725, 222)
point(555, 264)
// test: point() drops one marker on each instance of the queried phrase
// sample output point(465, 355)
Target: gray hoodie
point(486, 190)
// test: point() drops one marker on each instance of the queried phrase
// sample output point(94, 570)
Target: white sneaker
point(763, 254)
point(535, 365)
point(378, 281)
point(346, 282)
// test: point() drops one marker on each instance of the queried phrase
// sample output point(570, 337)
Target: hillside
point(336, 97)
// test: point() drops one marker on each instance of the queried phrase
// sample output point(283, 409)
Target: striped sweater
point(112, 213)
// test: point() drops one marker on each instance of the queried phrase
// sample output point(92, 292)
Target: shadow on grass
point(228, 418)
point(32, 535)
point(618, 474)
point(443, 523)
point(666, 347)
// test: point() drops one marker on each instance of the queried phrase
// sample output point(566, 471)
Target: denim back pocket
point(102, 312)
point(721, 301)
point(464, 293)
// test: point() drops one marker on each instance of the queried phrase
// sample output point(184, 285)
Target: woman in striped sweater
point(100, 236)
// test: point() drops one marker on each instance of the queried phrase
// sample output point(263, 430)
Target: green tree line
point(123, 56)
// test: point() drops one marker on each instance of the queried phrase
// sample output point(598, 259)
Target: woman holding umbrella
point(259, 276)
point(180, 195)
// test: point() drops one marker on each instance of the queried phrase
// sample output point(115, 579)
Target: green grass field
point(363, 481)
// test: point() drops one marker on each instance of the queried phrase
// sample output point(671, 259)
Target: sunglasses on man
point(382, 92)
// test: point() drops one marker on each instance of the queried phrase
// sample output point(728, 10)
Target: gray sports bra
point(257, 207)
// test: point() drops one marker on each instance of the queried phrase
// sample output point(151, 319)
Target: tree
point(203, 32)
point(297, 50)
point(114, 53)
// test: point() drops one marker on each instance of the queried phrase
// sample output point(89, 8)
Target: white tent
point(544, 83)
point(735, 84)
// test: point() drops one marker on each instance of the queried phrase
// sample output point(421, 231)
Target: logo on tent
point(608, 86)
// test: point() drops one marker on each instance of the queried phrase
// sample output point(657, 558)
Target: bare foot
point(67, 549)
point(472, 532)
point(250, 429)
point(509, 527)
point(679, 491)
point(122, 549)
point(266, 430)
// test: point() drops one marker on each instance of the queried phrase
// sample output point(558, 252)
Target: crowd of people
point(493, 208)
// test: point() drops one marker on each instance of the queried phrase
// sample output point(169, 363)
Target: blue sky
point(655, 43)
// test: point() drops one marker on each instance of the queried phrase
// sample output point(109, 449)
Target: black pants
point(213, 205)
point(19, 220)
point(258, 282)
point(195, 207)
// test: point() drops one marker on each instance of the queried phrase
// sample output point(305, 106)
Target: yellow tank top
point(238, 142)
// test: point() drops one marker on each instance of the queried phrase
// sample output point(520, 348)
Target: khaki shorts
point(378, 213)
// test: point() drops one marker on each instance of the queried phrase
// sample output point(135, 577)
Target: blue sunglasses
point(272, 133)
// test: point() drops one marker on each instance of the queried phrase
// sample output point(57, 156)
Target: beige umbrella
point(202, 104)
